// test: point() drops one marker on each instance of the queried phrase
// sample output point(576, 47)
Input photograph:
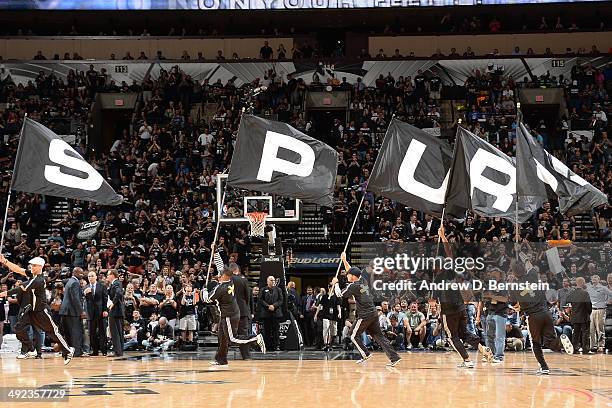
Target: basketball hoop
point(258, 223)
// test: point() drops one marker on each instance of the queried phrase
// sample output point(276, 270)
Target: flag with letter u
point(412, 168)
point(276, 158)
point(45, 164)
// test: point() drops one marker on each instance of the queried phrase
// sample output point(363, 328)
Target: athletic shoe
point(31, 354)
point(394, 363)
point(466, 364)
point(543, 371)
point(484, 359)
point(22, 356)
point(261, 343)
point(217, 366)
point(567, 344)
point(68, 357)
point(363, 360)
point(486, 352)
point(496, 360)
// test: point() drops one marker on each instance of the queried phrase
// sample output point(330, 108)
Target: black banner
point(412, 168)
point(45, 164)
point(541, 176)
point(273, 157)
point(483, 179)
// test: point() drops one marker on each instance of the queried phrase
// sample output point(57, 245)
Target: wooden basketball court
point(309, 379)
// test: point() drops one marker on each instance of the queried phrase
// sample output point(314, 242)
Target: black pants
point(308, 329)
point(455, 326)
point(581, 336)
point(35, 335)
point(73, 330)
point(115, 325)
point(97, 335)
point(372, 327)
point(39, 320)
point(243, 332)
point(271, 328)
point(542, 332)
point(226, 335)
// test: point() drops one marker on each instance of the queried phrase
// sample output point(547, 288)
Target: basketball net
point(257, 220)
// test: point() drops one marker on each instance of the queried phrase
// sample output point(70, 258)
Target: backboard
point(238, 202)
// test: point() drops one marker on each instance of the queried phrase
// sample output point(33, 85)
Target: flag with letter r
point(276, 158)
point(45, 164)
point(483, 179)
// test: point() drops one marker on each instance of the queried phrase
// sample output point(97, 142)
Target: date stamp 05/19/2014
point(26, 394)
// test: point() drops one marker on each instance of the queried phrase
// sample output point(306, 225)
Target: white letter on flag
point(502, 192)
point(53, 174)
point(406, 178)
point(271, 163)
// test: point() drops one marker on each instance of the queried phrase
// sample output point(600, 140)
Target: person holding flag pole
point(43, 167)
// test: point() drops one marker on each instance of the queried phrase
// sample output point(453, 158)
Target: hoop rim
point(257, 215)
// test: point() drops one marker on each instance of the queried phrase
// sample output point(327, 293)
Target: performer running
point(223, 295)
point(37, 312)
point(454, 314)
point(539, 320)
point(367, 317)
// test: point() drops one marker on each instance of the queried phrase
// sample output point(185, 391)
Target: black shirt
point(189, 307)
point(223, 294)
point(451, 301)
point(360, 290)
point(35, 286)
point(329, 306)
point(531, 301)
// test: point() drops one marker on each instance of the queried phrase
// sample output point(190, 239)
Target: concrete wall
point(102, 47)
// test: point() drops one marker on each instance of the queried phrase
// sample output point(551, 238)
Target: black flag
point(541, 176)
point(273, 157)
point(45, 164)
point(482, 179)
point(412, 168)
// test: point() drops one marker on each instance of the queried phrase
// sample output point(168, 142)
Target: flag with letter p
point(276, 158)
point(45, 164)
point(412, 168)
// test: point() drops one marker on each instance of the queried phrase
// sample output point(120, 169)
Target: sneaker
point(68, 357)
point(543, 371)
point(496, 360)
point(567, 344)
point(466, 364)
point(217, 366)
point(31, 354)
point(363, 360)
point(486, 352)
point(394, 362)
point(261, 343)
point(22, 356)
point(409, 347)
point(484, 359)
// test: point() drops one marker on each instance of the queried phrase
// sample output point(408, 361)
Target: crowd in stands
point(166, 164)
point(446, 23)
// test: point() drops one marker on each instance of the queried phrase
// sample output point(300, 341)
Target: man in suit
point(116, 311)
point(242, 293)
point(580, 317)
point(71, 311)
point(308, 308)
point(96, 296)
point(269, 305)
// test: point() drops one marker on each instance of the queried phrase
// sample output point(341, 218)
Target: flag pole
point(348, 239)
point(212, 247)
point(10, 190)
point(517, 233)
